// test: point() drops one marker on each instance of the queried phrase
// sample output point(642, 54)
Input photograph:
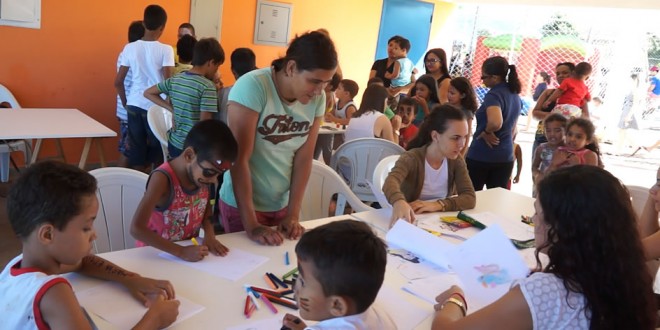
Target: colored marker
point(252, 309)
point(270, 282)
point(194, 241)
point(289, 273)
point(277, 281)
point(268, 304)
point(246, 310)
point(282, 301)
point(286, 258)
point(252, 296)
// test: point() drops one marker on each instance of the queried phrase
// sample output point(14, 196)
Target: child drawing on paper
point(492, 275)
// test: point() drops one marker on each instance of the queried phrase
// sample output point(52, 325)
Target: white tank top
point(21, 290)
point(362, 127)
point(341, 113)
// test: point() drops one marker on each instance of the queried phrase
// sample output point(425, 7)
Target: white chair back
point(638, 196)
point(323, 183)
point(7, 96)
point(120, 190)
point(6, 148)
point(356, 160)
point(160, 121)
point(380, 174)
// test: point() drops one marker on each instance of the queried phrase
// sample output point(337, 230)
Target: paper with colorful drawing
point(486, 265)
point(420, 243)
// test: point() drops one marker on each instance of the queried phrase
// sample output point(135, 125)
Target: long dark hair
point(594, 246)
point(499, 66)
point(311, 51)
point(373, 99)
point(442, 55)
point(589, 130)
point(463, 86)
point(437, 120)
point(431, 84)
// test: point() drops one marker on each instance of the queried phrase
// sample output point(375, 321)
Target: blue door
point(410, 19)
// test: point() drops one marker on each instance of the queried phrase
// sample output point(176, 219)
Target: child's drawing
point(492, 275)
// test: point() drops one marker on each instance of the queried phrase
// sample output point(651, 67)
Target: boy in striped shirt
point(192, 96)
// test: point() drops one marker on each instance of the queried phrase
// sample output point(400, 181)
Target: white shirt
point(545, 295)
point(121, 112)
point(341, 113)
point(146, 60)
point(436, 182)
point(373, 318)
point(362, 127)
point(21, 290)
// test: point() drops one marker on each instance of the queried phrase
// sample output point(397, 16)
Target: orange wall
point(71, 61)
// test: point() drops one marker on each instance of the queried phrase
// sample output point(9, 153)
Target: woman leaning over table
point(431, 176)
point(490, 156)
point(595, 277)
point(275, 115)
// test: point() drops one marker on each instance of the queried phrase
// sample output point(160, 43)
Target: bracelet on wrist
point(462, 298)
point(456, 302)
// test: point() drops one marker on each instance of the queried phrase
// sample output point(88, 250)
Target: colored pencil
point(268, 304)
point(277, 281)
point(270, 282)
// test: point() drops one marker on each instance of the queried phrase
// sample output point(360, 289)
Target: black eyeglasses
point(485, 77)
point(432, 60)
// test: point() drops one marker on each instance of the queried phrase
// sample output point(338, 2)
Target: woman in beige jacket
point(432, 176)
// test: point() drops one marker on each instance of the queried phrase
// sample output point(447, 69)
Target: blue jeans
point(144, 148)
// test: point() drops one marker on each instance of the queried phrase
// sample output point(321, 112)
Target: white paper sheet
point(113, 303)
point(430, 287)
point(404, 314)
point(513, 229)
point(487, 264)
point(419, 242)
point(412, 271)
point(236, 264)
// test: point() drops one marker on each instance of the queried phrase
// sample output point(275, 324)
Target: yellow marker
point(194, 241)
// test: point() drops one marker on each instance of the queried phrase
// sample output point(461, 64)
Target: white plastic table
point(39, 124)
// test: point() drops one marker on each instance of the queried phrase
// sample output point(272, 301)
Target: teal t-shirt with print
point(281, 130)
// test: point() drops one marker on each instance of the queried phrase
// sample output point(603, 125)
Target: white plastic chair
point(6, 148)
point(638, 196)
point(323, 183)
point(380, 174)
point(120, 190)
point(356, 160)
point(160, 121)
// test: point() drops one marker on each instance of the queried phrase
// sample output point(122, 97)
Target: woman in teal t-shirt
point(275, 116)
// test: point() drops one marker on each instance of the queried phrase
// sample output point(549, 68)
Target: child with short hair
point(52, 208)
point(572, 93)
point(403, 67)
point(135, 33)
point(342, 267)
point(402, 122)
point(192, 95)
point(580, 147)
point(150, 62)
point(345, 107)
point(184, 51)
point(554, 128)
point(176, 204)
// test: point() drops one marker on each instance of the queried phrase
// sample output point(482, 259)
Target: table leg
point(60, 151)
point(35, 152)
point(85, 152)
point(99, 150)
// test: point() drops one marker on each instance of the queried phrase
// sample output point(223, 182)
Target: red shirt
point(407, 134)
point(575, 92)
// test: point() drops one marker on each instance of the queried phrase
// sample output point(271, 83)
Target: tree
point(558, 25)
point(653, 48)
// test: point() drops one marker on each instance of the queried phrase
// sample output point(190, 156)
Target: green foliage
point(558, 25)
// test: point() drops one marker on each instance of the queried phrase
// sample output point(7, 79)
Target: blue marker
point(286, 258)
